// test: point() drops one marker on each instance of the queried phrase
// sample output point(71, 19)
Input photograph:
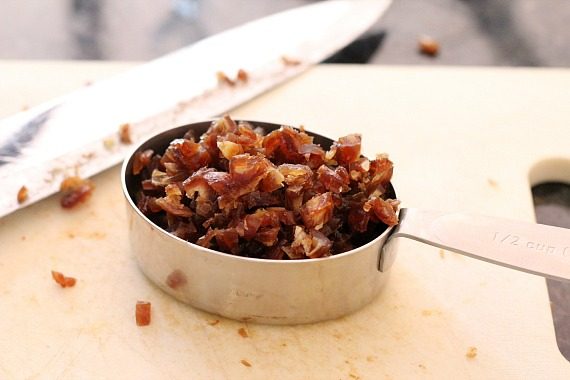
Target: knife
point(77, 134)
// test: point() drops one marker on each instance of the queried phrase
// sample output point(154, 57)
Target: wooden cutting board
point(464, 139)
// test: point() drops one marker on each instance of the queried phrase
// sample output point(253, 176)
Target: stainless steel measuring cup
point(312, 290)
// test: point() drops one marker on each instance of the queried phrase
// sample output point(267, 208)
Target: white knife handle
point(528, 247)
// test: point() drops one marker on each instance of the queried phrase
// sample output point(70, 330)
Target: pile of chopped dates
point(273, 196)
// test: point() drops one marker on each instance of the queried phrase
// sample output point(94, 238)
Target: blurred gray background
point(470, 32)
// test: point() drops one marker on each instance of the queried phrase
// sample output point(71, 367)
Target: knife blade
point(77, 134)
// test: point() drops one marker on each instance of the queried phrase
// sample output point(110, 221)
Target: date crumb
point(245, 363)
point(63, 281)
point(214, 322)
point(242, 76)
point(243, 332)
point(75, 190)
point(125, 134)
point(109, 143)
point(421, 366)
point(223, 79)
point(142, 313)
point(492, 183)
point(288, 61)
point(471, 353)
point(89, 156)
point(428, 46)
point(22, 194)
point(429, 313)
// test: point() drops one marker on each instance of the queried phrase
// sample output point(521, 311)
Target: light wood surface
point(462, 139)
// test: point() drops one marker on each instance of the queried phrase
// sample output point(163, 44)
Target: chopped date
point(381, 170)
point(272, 181)
point(428, 46)
point(172, 202)
point(229, 149)
point(336, 180)
point(295, 174)
point(246, 172)
point(384, 210)
point(359, 168)
point(312, 244)
point(125, 134)
point(471, 353)
point(22, 195)
point(294, 198)
point(75, 190)
point(109, 143)
point(185, 156)
point(63, 281)
point(243, 332)
point(267, 236)
point(142, 313)
point(320, 245)
point(227, 240)
point(223, 79)
point(288, 146)
point(276, 196)
point(242, 75)
point(347, 149)
point(318, 210)
point(142, 160)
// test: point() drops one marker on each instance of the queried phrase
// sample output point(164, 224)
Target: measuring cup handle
point(529, 247)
